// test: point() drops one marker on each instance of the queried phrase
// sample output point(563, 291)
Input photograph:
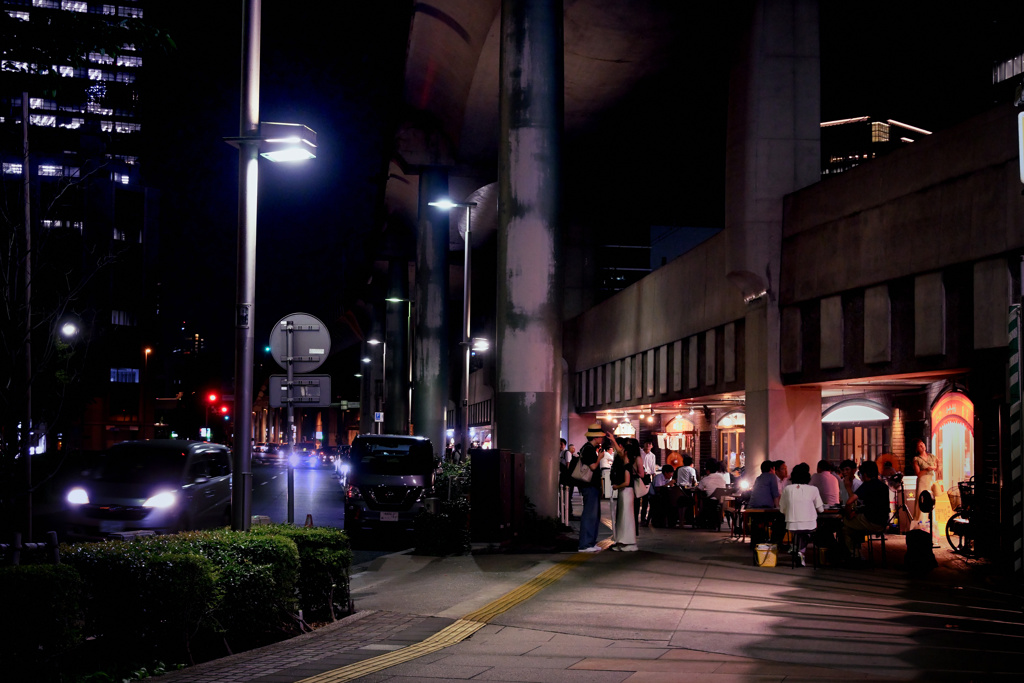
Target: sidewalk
point(689, 605)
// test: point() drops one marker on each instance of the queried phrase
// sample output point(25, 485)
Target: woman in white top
point(800, 503)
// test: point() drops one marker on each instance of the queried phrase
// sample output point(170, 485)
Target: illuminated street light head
point(69, 330)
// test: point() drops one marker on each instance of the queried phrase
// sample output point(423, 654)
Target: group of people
point(801, 497)
point(859, 493)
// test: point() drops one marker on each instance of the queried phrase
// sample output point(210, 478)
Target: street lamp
point(448, 205)
point(408, 355)
point(143, 386)
point(382, 397)
point(276, 142)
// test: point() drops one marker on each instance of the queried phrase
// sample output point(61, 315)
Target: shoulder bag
point(579, 471)
point(640, 488)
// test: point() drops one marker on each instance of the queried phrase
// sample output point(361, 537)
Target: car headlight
point(78, 496)
point(161, 500)
point(344, 469)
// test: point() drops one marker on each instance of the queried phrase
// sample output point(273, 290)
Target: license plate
point(389, 516)
point(109, 526)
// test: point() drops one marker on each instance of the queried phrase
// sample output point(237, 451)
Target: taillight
point(352, 493)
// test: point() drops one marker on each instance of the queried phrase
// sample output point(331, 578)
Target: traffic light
point(212, 398)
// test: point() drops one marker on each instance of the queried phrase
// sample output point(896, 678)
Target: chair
point(875, 537)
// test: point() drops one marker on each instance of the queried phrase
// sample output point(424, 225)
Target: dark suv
point(388, 478)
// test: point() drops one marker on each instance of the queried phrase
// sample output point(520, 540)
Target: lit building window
point(123, 318)
point(130, 12)
point(109, 10)
point(66, 71)
point(124, 375)
point(51, 170)
point(18, 15)
point(44, 120)
point(129, 60)
point(7, 65)
point(100, 58)
point(12, 168)
point(123, 77)
point(73, 124)
point(74, 5)
point(100, 75)
point(48, 4)
point(125, 127)
point(106, 126)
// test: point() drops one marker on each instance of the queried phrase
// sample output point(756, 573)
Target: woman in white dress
point(624, 470)
point(800, 503)
point(925, 465)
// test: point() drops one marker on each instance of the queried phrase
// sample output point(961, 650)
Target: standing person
point(590, 518)
point(625, 468)
point(925, 465)
point(564, 458)
point(650, 467)
point(800, 504)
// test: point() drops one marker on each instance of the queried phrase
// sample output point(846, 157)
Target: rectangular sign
point(307, 391)
point(378, 417)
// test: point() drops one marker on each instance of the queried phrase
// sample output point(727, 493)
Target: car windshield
point(139, 464)
point(392, 456)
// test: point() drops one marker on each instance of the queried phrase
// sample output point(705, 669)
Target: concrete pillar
point(396, 336)
point(772, 149)
point(430, 312)
point(529, 328)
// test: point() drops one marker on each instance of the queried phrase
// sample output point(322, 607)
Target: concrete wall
point(952, 197)
point(687, 296)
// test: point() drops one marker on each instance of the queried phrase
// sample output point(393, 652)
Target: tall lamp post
point(467, 342)
point(394, 299)
point(276, 142)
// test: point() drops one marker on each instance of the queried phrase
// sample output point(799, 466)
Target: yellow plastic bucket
point(767, 554)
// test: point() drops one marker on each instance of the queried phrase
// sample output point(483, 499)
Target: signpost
point(299, 343)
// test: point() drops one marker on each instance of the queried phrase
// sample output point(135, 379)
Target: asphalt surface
point(689, 605)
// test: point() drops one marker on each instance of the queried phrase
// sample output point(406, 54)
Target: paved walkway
point(690, 605)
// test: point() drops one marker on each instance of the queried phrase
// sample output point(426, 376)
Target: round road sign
point(311, 342)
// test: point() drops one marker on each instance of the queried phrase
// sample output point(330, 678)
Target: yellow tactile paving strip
point(458, 631)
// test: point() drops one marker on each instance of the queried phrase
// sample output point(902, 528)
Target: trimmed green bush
point(324, 560)
point(446, 533)
point(40, 618)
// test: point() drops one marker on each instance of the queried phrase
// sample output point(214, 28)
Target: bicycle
point(959, 532)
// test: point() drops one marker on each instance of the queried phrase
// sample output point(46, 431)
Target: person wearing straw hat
point(590, 518)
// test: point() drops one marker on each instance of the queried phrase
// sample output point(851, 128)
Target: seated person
point(666, 477)
point(826, 483)
point(686, 475)
point(710, 512)
point(848, 482)
point(713, 481)
point(867, 510)
point(666, 501)
point(800, 504)
point(766, 490)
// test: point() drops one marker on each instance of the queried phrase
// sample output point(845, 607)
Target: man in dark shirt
point(590, 518)
point(872, 514)
point(766, 491)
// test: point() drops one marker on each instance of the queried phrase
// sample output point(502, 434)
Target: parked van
point(389, 476)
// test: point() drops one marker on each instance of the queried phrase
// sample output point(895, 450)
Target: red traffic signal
point(212, 398)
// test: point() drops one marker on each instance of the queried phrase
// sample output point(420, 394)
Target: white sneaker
point(803, 563)
point(591, 549)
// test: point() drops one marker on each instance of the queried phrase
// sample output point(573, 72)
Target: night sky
point(924, 63)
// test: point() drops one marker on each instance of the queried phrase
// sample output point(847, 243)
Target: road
point(318, 494)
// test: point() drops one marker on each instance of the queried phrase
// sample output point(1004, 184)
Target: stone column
point(529, 327)
point(430, 312)
point(772, 143)
point(396, 362)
